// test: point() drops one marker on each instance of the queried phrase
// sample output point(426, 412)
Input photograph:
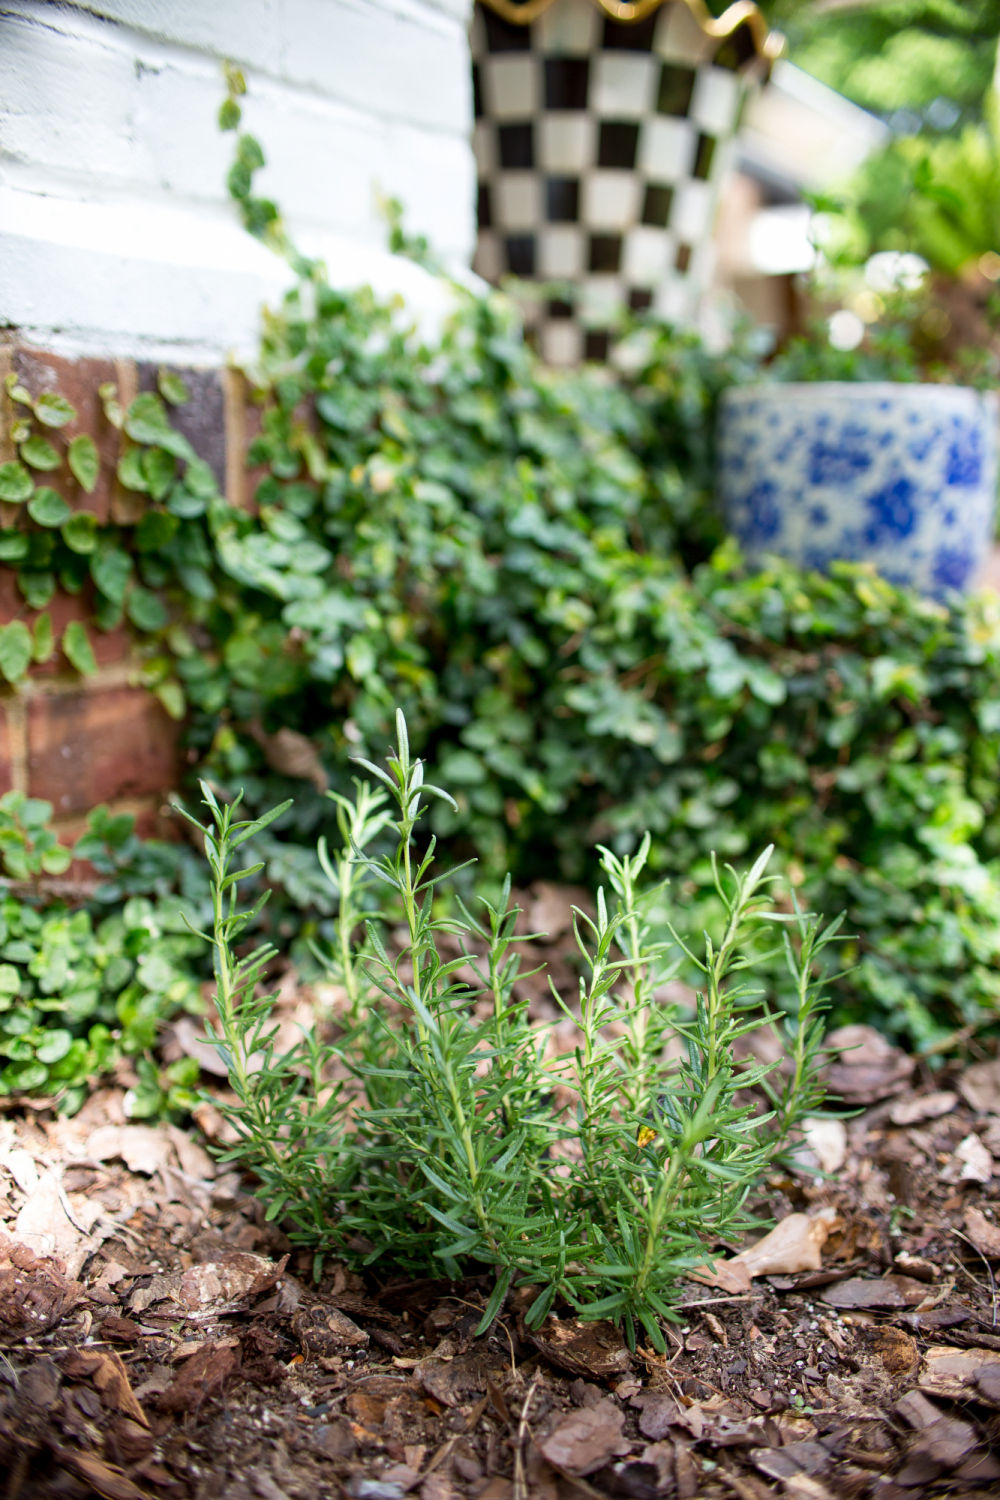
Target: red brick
point(6, 780)
point(78, 380)
point(154, 819)
point(109, 646)
point(99, 746)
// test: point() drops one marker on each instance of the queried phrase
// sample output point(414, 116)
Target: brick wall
point(78, 742)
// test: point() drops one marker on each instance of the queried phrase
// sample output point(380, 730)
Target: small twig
point(712, 1301)
point(523, 1431)
point(989, 1272)
point(496, 1320)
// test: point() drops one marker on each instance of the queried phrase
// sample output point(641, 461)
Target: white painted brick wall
point(116, 232)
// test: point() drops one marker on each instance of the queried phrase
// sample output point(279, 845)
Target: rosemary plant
point(289, 1118)
point(431, 1134)
point(359, 822)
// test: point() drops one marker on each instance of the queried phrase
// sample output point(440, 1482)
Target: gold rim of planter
point(744, 12)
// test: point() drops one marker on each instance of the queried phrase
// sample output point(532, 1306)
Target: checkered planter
point(599, 145)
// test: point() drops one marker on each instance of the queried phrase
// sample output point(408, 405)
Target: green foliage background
point(888, 55)
point(531, 565)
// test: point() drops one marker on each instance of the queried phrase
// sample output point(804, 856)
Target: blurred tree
point(932, 59)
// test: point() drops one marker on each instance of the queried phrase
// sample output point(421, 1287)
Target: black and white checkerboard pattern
point(598, 146)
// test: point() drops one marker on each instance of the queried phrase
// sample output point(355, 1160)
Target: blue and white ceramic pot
point(903, 476)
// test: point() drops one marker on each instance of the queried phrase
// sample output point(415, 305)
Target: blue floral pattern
point(904, 476)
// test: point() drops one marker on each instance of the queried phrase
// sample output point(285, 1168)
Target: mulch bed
point(160, 1339)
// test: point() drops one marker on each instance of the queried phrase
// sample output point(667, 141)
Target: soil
point(161, 1339)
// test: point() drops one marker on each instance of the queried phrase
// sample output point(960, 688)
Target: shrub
point(445, 1137)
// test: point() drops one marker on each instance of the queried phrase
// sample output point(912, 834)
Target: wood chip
point(939, 1447)
point(106, 1479)
point(111, 1378)
point(886, 1291)
point(584, 1440)
point(595, 1351)
point(951, 1372)
point(199, 1379)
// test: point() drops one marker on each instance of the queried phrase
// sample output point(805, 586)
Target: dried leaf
point(194, 1159)
point(827, 1140)
point(46, 1227)
point(793, 1245)
point(984, 1235)
point(979, 1086)
point(977, 1163)
point(659, 1413)
point(728, 1275)
point(585, 1439)
point(922, 1107)
point(21, 1166)
point(142, 1148)
point(869, 1068)
point(190, 1037)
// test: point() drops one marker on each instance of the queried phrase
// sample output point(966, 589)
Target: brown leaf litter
point(161, 1339)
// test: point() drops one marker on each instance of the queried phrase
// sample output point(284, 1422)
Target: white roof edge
point(817, 96)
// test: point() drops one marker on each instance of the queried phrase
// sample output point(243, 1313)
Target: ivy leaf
point(171, 695)
point(42, 641)
point(53, 410)
point(130, 471)
point(172, 387)
point(36, 588)
point(57, 1042)
point(80, 532)
point(13, 546)
point(40, 454)
point(77, 648)
point(158, 468)
point(199, 478)
point(229, 114)
point(108, 393)
point(83, 461)
point(248, 151)
point(145, 610)
point(16, 391)
point(185, 505)
point(155, 530)
point(16, 484)
point(15, 650)
point(47, 508)
point(108, 613)
point(111, 571)
point(146, 422)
